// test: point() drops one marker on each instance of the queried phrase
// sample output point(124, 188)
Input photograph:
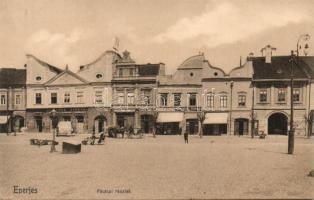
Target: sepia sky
point(76, 32)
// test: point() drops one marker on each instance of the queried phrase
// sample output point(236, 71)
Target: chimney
point(268, 51)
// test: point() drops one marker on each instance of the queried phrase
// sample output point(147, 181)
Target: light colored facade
point(85, 103)
point(134, 93)
point(12, 99)
point(272, 94)
point(179, 98)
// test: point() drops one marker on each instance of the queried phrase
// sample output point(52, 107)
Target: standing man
point(55, 121)
point(186, 137)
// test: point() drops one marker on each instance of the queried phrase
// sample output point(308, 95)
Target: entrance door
point(145, 123)
point(192, 126)
point(278, 124)
point(39, 123)
point(241, 126)
point(100, 123)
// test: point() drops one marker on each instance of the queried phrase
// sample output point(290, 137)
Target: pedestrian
point(186, 137)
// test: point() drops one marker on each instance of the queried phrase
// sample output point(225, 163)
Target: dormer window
point(38, 78)
point(98, 76)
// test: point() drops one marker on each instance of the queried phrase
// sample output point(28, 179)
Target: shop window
point(80, 119)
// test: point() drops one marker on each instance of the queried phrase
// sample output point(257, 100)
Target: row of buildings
point(114, 90)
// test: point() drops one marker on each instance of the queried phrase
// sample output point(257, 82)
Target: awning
point(216, 118)
point(166, 117)
point(4, 119)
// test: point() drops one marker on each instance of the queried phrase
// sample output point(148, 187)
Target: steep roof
point(51, 67)
point(11, 77)
point(279, 68)
point(309, 67)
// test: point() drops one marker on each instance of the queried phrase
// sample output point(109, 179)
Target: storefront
point(4, 121)
point(215, 123)
point(169, 123)
point(39, 120)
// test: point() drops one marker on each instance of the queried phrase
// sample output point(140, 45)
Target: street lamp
point(55, 121)
point(304, 37)
point(291, 130)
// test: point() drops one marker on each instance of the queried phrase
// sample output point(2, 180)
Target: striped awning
point(216, 118)
point(166, 117)
point(4, 119)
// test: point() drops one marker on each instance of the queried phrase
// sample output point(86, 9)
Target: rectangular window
point(120, 72)
point(79, 97)
point(67, 97)
point(296, 95)
point(281, 95)
point(38, 98)
point(131, 72)
point(130, 98)
point(98, 97)
point(242, 100)
point(263, 96)
point(210, 101)
point(54, 97)
point(3, 99)
point(177, 99)
point(192, 99)
point(17, 99)
point(164, 99)
point(147, 97)
point(223, 101)
point(120, 97)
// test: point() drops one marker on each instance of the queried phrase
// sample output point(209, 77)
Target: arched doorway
point(100, 123)
point(241, 126)
point(19, 122)
point(277, 124)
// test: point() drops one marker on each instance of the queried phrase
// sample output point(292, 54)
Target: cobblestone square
point(158, 168)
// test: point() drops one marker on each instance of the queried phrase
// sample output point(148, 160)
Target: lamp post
point(304, 37)
point(230, 110)
point(55, 122)
point(291, 130)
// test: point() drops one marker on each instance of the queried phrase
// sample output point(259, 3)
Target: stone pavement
point(157, 168)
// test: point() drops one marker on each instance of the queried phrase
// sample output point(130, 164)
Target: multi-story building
point(12, 99)
point(83, 101)
point(134, 87)
point(179, 97)
point(272, 93)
